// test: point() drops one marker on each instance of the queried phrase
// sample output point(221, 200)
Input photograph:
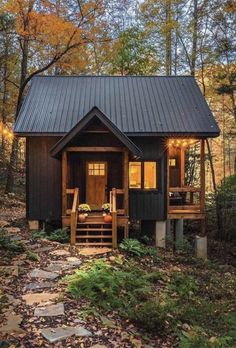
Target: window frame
point(142, 176)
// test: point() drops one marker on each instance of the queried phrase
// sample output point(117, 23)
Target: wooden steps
point(94, 232)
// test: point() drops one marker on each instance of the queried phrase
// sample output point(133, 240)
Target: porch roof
point(81, 125)
point(137, 105)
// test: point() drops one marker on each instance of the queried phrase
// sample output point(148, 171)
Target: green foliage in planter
point(84, 208)
point(10, 245)
point(134, 248)
point(106, 207)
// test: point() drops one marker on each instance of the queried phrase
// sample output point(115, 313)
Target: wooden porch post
point(182, 167)
point(64, 182)
point(126, 182)
point(202, 179)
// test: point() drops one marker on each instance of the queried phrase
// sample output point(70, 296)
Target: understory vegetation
point(7, 244)
point(60, 235)
point(195, 301)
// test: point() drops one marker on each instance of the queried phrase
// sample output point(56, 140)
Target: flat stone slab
point(94, 251)
point(4, 223)
point(74, 260)
point(50, 310)
point(12, 229)
point(9, 270)
point(40, 285)
point(98, 346)
point(58, 266)
point(61, 333)
point(43, 249)
point(39, 273)
point(60, 252)
point(39, 298)
point(12, 325)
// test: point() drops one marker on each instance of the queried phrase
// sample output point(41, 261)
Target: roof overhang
point(81, 125)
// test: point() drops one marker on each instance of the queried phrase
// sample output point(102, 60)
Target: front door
point(96, 184)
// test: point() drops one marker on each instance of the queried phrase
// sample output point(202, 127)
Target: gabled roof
point(82, 124)
point(137, 105)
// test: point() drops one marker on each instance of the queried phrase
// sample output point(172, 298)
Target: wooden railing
point(113, 212)
point(184, 198)
point(73, 216)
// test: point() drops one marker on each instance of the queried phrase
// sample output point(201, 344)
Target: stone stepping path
point(39, 298)
point(50, 310)
point(12, 325)
point(38, 286)
point(60, 252)
point(57, 334)
point(58, 266)
point(39, 273)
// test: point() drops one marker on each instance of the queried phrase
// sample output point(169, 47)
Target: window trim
point(142, 176)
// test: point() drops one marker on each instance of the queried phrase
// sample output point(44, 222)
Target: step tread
point(94, 244)
point(94, 223)
point(93, 236)
point(93, 229)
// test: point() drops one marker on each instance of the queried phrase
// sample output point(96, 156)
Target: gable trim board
point(95, 113)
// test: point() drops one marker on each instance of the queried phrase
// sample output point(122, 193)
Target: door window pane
point(96, 169)
point(150, 175)
point(135, 174)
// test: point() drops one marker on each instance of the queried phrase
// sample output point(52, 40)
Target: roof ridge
point(120, 76)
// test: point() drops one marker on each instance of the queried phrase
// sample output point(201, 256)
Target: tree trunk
point(168, 38)
point(194, 37)
point(14, 151)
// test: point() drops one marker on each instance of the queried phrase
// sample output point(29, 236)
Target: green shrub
point(110, 287)
point(150, 316)
point(38, 235)
point(10, 245)
point(197, 338)
point(134, 248)
point(32, 256)
point(185, 286)
point(60, 235)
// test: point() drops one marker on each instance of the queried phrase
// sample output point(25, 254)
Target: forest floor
point(51, 291)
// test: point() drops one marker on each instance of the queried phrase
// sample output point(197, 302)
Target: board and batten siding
point(150, 204)
point(43, 180)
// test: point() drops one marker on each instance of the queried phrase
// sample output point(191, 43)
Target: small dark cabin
point(124, 140)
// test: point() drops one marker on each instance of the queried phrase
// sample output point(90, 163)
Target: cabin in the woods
point(123, 140)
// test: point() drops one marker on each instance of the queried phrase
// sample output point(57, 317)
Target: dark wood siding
point(43, 180)
point(150, 204)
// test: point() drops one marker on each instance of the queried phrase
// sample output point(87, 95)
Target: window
point(135, 174)
point(150, 175)
point(142, 175)
point(172, 162)
point(96, 169)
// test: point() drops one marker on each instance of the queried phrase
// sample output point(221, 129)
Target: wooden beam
point(202, 178)
point(126, 182)
point(185, 189)
point(167, 180)
point(64, 182)
point(186, 216)
point(94, 149)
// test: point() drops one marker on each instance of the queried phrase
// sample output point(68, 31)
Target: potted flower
point(84, 209)
point(106, 207)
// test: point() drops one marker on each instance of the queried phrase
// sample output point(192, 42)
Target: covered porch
point(186, 179)
point(95, 163)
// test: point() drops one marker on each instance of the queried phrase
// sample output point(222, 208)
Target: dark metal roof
point(94, 113)
point(139, 105)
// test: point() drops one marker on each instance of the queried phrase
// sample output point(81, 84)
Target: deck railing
point(74, 216)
